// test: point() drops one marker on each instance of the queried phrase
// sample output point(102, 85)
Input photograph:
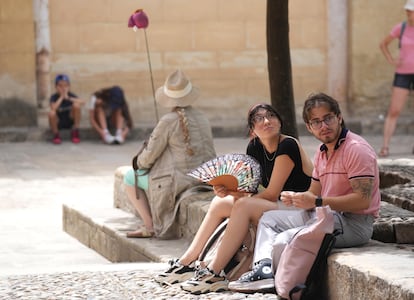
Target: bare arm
point(281, 170)
point(76, 100)
point(386, 52)
point(55, 105)
point(359, 199)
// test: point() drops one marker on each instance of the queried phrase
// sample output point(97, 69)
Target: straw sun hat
point(176, 91)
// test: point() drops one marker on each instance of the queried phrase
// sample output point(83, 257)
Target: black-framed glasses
point(328, 120)
point(259, 118)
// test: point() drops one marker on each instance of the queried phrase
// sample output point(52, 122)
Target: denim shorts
point(405, 81)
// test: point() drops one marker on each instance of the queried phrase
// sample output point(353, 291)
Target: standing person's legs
point(398, 99)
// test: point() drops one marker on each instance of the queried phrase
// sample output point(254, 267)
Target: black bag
point(242, 259)
point(314, 284)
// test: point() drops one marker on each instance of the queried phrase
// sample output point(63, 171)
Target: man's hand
point(305, 200)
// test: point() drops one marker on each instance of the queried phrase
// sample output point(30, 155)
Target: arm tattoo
point(363, 186)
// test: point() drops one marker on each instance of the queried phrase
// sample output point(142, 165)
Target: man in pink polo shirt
point(345, 177)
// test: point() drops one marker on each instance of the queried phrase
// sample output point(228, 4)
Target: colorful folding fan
point(237, 172)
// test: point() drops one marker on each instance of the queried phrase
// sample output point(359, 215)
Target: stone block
point(165, 36)
point(229, 35)
point(374, 271)
point(188, 11)
point(404, 231)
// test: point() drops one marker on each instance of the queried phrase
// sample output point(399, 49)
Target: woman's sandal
point(384, 152)
point(141, 232)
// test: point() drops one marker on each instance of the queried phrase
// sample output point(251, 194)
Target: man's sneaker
point(56, 139)
point(109, 138)
point(259, 279)
point(205, 281)
point(75, 136)
point(176, 273)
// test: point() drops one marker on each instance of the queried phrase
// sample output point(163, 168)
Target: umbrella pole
point(152, 80)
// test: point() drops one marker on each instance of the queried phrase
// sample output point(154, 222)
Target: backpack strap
point(403, 25)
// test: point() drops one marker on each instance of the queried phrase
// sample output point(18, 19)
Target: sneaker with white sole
point(177, 272)
point(205, 281)
point(259, 279)
point(109, 138)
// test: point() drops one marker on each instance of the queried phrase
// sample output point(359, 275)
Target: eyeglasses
point(317, 124)
point(260, 118)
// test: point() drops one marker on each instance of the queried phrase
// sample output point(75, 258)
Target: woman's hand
point(220, 190)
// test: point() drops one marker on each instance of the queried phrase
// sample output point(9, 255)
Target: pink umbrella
point(139, 20)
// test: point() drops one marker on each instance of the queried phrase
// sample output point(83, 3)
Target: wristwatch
point(318, 201)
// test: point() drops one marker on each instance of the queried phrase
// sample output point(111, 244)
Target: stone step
point(104, 228)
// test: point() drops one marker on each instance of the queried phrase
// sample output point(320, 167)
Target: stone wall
point(220, 44)
point(17, 64)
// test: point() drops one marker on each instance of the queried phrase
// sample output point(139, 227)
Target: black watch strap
point(318, 201)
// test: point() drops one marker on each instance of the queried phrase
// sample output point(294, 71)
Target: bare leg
point(219, 209)
point(121, 128)
point(245, 211)
point(53, 121)
point(141, 205)
point(76, 114)
point(398, 99)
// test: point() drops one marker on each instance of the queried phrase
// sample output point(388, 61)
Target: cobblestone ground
point(125, 285)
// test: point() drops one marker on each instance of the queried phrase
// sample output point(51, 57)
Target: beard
point(330, 136)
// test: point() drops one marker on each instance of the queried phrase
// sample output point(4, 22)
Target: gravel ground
point(125, 285)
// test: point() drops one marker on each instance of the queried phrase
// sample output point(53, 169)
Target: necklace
point(274, 153)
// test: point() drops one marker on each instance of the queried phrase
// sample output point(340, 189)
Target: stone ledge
point(374, 271)
point(103, 229)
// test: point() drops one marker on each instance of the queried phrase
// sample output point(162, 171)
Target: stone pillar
point(41, 18)
point(338, 52)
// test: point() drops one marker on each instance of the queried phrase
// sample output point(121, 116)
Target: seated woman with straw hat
point(181, 141)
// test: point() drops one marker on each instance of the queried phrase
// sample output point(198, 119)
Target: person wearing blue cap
point(109, 108)
point(65, 110)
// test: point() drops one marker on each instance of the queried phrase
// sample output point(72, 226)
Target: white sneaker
point(119, 139)
point(109, 138)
